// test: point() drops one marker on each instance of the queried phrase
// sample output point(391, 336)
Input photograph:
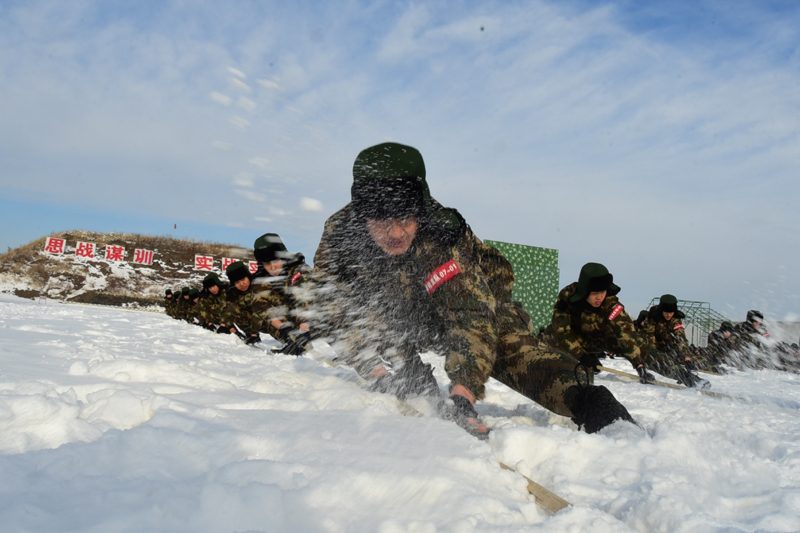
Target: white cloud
point(250, 195)
point(240, 122)
point(310, 204)
point(236, 72)
point(267, 84)
point(221, 98)
point(263, 219)
point(261, 162)
point(244, 179)
point(279, 212)
point(246, 103)
point(221, 145)
point(239, 84)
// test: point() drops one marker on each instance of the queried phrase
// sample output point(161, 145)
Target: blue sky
point(659, 138)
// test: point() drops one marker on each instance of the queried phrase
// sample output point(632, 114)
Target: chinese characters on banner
point(54, 246)
point(86, 249)
point(226, 262)
point(253, 266)
point(115, 253)
point(143, 257)
point(203, 262)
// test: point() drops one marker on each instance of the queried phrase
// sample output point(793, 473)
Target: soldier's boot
point(595, 408)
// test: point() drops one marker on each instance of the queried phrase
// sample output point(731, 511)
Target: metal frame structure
point(699, 315)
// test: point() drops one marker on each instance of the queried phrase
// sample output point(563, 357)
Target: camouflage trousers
point(547, 376)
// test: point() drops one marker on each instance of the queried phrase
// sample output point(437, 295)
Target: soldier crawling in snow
point(400, 274)
point(669, 350)
point(169, 302)
point(212, 307)
point(589, 322)
point(278, 285)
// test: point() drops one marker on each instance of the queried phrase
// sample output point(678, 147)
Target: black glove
point(297, 346)
point(590, 360)
point(690, 365)
point(644, 375)
point(283, 332)
point(466, 417)
point(223, 329)
point(253, 339)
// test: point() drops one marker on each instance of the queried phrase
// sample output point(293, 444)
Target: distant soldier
point(240, 301)
point(192, 309)
point(640, 319)
point(749, 339)
point(168, 302)
point(401, 274)
point(212, 307)
point(589, 321)
point(670, 354)
point(719, 344)
point(279, 285)
point(182, 304)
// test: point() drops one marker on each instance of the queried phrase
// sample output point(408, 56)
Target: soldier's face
point(595, 299)
point(243, 284)
point(395, 235)
point(726, 334)
point(274, 267)
point(213, 289)
point(668, 316)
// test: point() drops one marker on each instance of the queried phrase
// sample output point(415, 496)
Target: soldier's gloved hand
point(689, 364)
point(298, 345)
point(252, 339)
point(644, 375)
point(465, 414)
point(223, 329)
point(590, 360)
point(283, 332)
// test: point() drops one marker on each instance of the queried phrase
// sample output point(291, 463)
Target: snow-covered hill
point(29, 271)
point(118, 420)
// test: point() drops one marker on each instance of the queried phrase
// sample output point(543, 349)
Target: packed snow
point(122, 420)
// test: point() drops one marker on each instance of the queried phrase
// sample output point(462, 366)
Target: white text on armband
point(445, 272)
point(615, 312)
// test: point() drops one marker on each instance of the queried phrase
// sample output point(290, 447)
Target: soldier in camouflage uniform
point(665, 337)
point(212, 307)
point(168, 302)
point(399, 274)
point(182, 303)
point(279, 285)
point(590, 322)
point(240, 299)
point(192, 309)
point(720, 344)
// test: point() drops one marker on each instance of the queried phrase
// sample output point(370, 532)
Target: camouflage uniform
point(581, 329)
point(449, 293)
point(169, 302)
point(212, 308)
point(280, 297)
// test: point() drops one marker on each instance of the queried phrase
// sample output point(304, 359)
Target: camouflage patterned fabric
point(278, 297)
point(579, 328)
point(449, 293)
point(169, 304)
point(212, 308)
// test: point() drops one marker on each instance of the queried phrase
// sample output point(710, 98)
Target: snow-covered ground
point(119, 420)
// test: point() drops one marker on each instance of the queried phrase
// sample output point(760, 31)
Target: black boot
point(595, 408)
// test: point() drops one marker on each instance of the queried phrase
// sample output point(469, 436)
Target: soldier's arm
point(467, 305)
point(627, 338)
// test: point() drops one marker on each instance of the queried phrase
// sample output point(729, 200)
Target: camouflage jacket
point(280, 297)
point(444, 294)
point(212, 308)
point(580, 328)
point(169, 304)
point(667, 336)
point(181, 308)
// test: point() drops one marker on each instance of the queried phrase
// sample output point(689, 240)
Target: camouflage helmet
point(389, 182)
point(594, 277)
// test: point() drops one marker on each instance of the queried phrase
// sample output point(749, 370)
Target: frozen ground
point(118, 420)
